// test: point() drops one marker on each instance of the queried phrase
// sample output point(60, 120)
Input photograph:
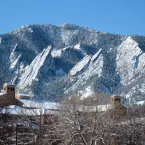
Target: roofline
point(8, 84)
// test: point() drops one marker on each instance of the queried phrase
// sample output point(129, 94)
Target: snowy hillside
point(49, 62)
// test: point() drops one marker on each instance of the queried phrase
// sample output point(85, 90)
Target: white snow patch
point(30, 30)
point(86, 93)
point(36, 108)
point(65, 48)
point(2, 93)
point(39, 104)
point(104, 108)
point(0, 40)
point(136, 88)
point(15, 47)
point(140, 102)
point(26, 28)
point(23, 27)
point(77, 46)
point(56, 53)
point(21, 67)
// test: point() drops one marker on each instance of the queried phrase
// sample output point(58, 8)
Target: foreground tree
point(87, 123)
point(83, 122)
point(7, 127)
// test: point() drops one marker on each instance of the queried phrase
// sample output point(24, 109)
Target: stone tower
point(9, 89)
point(7, 96)
point(115, 100)
point(118, 110)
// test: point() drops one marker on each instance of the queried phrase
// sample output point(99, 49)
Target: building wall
point(8, 98)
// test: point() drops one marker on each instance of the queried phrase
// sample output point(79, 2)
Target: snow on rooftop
point(104, 108)
point(32, 108)
point(43, 107)
point(39, 104)
point(85, 108)
point(23, 111)
point(1, 94)
point(30, 112)
point(9, 84)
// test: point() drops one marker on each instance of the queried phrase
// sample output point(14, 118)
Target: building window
point(117, 99)
point(11, 89)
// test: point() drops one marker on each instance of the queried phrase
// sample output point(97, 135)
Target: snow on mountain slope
point(79, 58)
point(93, 68)
point(80, 65)
point(14, 63)
point(130, 59)
point(32, 71)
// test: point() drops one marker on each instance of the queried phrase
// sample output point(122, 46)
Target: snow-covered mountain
point(53, 61)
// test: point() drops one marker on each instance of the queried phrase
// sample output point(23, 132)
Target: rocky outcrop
point(53, 61)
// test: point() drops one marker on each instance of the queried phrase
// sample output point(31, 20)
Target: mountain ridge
point(68, 24)
point(110, 60)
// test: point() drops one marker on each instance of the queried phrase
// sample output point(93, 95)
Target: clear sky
point(114, 16)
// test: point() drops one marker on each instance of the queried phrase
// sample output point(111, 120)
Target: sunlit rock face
point(50, 62)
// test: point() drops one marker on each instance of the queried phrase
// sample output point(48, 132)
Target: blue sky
point(114, 16)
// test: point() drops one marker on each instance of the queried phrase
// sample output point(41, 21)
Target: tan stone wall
point(8, 98)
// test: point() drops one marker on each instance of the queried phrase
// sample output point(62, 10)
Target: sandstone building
point(7, 96)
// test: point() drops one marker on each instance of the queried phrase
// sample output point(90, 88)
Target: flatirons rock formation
point(50, 62)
